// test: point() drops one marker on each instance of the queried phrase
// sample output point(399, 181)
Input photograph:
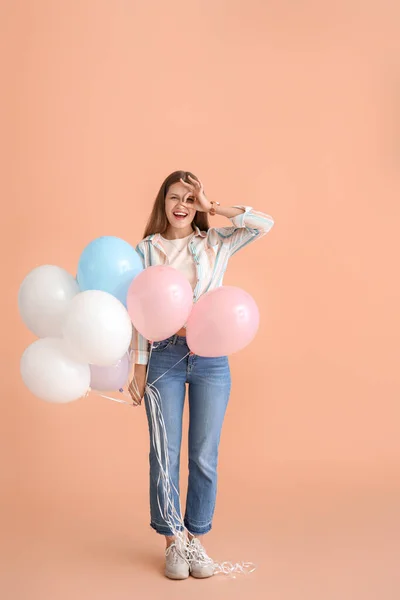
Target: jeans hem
point(163, 530)
point(196, 529)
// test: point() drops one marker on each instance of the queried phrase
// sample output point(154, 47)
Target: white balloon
point(97, 328)
point(51, 374)
point(43, 298)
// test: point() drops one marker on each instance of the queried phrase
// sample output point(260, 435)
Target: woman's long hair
point(158, 221)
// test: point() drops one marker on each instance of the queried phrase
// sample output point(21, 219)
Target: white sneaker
point(176, 564)
point(201, 565)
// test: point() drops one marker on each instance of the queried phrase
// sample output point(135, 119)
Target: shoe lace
point(176, 553)
point(196, 552)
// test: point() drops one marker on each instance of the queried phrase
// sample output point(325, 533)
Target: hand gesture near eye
point(196, 190)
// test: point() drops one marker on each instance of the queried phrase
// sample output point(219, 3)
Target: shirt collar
point(199, 233)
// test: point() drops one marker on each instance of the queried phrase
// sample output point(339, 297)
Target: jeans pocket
point(161, 346)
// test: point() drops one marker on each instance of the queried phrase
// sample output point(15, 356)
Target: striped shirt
point(211, 252)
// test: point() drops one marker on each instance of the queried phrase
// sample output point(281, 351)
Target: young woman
point(178, 234)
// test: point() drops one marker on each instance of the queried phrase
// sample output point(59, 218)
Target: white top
point(180, 257)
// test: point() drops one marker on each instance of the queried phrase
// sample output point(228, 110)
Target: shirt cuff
point(239, 220)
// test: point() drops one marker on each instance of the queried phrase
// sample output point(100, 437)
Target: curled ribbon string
point(165, 497)
point(115, 399)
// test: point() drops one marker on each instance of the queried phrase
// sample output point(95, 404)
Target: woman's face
point(179, 206)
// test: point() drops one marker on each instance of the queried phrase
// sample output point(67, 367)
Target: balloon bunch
point(84, 324)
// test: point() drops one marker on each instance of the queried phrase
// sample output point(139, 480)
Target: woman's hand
point(201, 202)
point(137, 385)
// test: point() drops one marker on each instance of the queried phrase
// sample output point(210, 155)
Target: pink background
point(293, 108)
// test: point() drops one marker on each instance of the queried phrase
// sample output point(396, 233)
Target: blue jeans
point(209, 383)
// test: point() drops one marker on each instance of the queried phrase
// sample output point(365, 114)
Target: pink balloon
point(159, 302)
point(111, 378)
point(222, 322)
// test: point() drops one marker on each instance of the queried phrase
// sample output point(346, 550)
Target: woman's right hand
point(137, 391)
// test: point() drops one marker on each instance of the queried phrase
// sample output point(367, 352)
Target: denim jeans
point(209, 384)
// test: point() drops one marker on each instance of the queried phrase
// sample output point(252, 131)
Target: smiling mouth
point(180, 214)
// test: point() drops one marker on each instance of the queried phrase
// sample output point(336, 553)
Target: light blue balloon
point(108, 264)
